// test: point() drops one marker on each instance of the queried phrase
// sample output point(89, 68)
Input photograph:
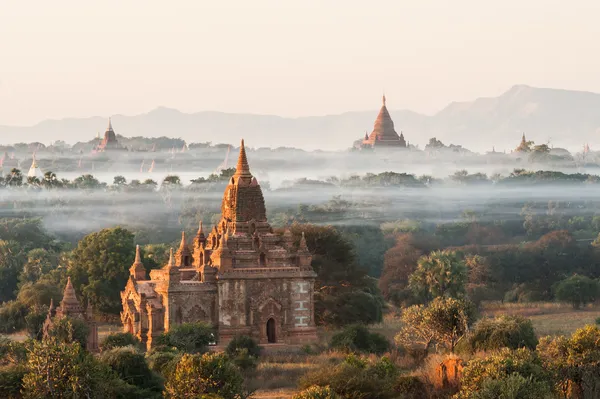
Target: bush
point(511, 332)
point(500, 365)
point(68, 330)
point(316, 392)
point(410, 387)
point(597, 320)
point(34, 322)
point(244, 351)
point(358, 338)
point(577, 290)
point(163, 362)
point(197, 375)
point(356, 377)
point(11, 381)
point(119, 340)
point(132, 368)
point(12, 352)
point(513, 386)
point(12, 317)
point(188, 337)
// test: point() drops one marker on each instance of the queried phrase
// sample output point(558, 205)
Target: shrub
point(34, 322)
point(597, 320)
point(197, 375)
point(163, 361)
point(12, 352)
point(513, 386)
point(410, 387)
point(69, 330)
point(130, 365)
point(356, 377)
point(244, 351)
point(577, 290)
point(188, 337)
point(11, 381)
point(243, 342)
point(316, 392)
point(119, 340)
point(511, 332)
point(574, 361)
point(500, 365)
point(12, 317)
point(358, 338)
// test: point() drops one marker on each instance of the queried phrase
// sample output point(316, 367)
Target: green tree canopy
point(100, 267)
point(442, 273)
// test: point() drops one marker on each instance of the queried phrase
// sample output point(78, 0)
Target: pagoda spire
point(171, 260)
point(303, 247)
point(109, 128)
point(200, 229)
point(242, 169)
point(182, 244)
point(137, 270)
point(383, 98)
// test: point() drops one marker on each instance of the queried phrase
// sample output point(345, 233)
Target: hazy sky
point(288, 57)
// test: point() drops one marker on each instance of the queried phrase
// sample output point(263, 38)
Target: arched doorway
point(263, 259)
point(271, 331)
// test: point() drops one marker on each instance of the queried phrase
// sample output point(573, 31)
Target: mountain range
point(560, 118)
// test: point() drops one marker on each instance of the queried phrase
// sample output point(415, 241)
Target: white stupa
point(35, 170)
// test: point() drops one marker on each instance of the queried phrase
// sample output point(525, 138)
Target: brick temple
point(242, 277)
point(384, 134)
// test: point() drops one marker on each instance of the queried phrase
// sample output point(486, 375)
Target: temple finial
point(200, 229)
point(171, 259)
point(109, 124)
point(384, 99)
point(182, 245)
point(242, 169)
point(138, 258)
point(303, 247)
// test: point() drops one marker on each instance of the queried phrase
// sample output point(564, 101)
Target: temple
point(241, 277)
point(34, 170)
point(110, 142)
point(70, 307)
point(384, 134)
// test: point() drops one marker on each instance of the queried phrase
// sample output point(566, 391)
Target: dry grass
point(548, 318)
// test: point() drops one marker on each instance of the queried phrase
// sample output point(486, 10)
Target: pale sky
point(81, 58)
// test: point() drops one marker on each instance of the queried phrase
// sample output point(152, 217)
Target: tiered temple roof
point(384, 134)
point(110, 141)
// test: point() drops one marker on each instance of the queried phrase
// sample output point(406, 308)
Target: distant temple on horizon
point(110, 142)
point(384, 135)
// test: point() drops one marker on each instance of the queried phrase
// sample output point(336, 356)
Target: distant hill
point(564, 118)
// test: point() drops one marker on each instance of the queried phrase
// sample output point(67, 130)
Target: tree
point(357, 338)
point(171, 181)
point(100, 267)
point(39, 293)
point(339, 277)
point(442, 273)
point(69, 330)
point(130, 365)
point(574, 361)
point(511, 332)
point(500, 365)
point(15, 178)
point(62, 370)
point(443, 322)
point(577, 290)
point(119, 340)
point(87, 182)
point(197, 375)
point(40, 261)
point(119, 181)
point(188, 337)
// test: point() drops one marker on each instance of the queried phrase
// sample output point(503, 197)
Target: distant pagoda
point(34, 170)
point(384, 134)
point(110, 142)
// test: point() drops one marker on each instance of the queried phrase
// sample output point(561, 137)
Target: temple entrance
point(271, 333)
point(129, 326)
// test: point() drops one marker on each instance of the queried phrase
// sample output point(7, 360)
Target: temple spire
point(182, 245)
point(303, 247)
point(200, 229)
point(138, 258)
point(383, 99)
point(109, 128)
point(171, 259)
point(242, 169)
